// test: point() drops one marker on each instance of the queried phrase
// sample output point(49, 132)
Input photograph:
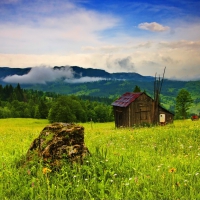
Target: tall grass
point(129, 163)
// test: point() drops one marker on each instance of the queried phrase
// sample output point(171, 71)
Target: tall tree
point(183, 103)
point(43, 109)
point(102, 113)
point(19, 93)
point(137, 89)
point(37, 113)
point(61, 112)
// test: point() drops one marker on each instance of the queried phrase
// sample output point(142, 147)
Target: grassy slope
point(143, 163)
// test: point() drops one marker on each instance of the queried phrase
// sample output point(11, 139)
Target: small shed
point(139, 108)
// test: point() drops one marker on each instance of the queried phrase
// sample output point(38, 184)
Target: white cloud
point(40, 75)
point(181, 59)
point(54, 28)
point(84, 79)
point(105, 49)
point(153, 26)
point(147, 44)
point(118, 48)
point(183, 44)
point(43, 75)
point(60, 33)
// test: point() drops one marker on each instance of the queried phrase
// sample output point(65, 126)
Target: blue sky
point(118, 36)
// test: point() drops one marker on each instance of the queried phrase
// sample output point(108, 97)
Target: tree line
point(16, 102)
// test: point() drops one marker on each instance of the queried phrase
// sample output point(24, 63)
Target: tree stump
point(59, 143)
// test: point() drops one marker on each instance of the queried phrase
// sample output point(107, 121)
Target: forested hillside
point(16, 102)
point(109, 85)
point(112, 89)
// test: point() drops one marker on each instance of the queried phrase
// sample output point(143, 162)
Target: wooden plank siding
point(140, 111)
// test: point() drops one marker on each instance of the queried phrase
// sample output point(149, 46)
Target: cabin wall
point(138, 112)
point(169, 117)
point(142, 109)
point(120, 116)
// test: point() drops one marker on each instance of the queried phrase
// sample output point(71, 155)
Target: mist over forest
point(78, 81)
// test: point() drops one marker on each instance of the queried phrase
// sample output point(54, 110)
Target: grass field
point(140, 163)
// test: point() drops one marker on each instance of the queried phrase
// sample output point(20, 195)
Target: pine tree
point(37, 113)
point(43, 109)
point(137, 89)
point(19, 93)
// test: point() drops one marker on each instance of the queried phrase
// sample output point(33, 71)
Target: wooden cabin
point(139, 108)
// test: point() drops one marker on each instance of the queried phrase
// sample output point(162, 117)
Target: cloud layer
point(143, 36)
point(84, 79)
point(40, 75)
point(43, 75)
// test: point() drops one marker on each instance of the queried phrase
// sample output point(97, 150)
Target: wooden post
point(129, 115)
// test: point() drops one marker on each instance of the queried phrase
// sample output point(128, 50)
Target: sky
point(139, 36)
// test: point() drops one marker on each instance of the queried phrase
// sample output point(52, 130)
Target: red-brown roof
point(126, 99)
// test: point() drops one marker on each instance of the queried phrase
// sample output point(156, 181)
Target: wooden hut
point(139, 108)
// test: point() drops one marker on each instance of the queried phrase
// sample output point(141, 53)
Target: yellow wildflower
point(46, 170)
point(172, 170)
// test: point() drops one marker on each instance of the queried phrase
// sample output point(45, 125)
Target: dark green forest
point(112, 89)
point(92, 99)
point(16, 102)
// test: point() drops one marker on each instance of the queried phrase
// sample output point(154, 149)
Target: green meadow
point(160, 162)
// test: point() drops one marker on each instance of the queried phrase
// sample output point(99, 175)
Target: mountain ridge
point(108, 87)
point(78, 73)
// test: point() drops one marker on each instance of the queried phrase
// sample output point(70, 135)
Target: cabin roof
point(166, 110)
point(126, 99)
point(129, 97)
